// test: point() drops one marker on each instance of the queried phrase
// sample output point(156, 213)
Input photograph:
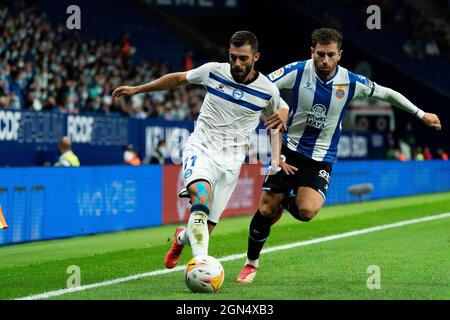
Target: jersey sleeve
point(364, 88)
point(200, 75)
point(275, 103)
point(283, 104)
point(398, 100)
point(284, 78)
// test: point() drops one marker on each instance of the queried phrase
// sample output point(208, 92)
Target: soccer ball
point(204, 274)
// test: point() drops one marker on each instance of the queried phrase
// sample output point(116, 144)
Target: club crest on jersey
point(317, 117)
point(276, 74)
point(340, 92)
point(238, 94)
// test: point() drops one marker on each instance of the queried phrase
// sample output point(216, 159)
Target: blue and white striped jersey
point(318, 107)
point(230, 112)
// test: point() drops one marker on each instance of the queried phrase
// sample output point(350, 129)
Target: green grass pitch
point(414, 260)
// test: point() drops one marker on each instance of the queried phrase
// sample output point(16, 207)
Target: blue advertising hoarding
point(388, 179)
point(47, 203)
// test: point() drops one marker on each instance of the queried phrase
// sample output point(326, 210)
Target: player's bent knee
point(306, 214)
point(266, 210)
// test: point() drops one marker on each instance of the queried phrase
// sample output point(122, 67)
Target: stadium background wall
point(30, 138)
point(48, 203)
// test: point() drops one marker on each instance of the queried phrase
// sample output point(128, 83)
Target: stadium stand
point(414, 36)
point(44, 66)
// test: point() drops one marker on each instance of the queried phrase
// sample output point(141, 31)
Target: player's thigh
point(312, 188)
point(277, 185)
point(221, 194)
point(282, 183)
point(309, 201)
point(269, 203)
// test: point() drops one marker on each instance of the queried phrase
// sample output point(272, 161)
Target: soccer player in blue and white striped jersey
point(322, 91)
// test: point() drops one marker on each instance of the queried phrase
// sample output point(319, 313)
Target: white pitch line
point(61, 292)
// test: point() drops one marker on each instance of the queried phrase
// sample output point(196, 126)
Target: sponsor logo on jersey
point(308, 85)
point(317, 117)
point(187, 173)
point(324, 174)
point(276, 74)
point(220, 87)
point(340, 92)
point(238, 94)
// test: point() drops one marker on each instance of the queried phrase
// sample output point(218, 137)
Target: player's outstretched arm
point(397, 99)
point(168, 81)
point(276, 149)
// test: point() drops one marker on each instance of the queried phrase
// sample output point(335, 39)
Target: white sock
point(254, 263)
point(183, 238)
point(198, 233)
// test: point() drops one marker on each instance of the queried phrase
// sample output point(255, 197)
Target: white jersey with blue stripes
point(318, 107)
point(230, 112)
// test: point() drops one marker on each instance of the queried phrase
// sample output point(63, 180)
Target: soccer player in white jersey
point(237, 95)
point(322, 91)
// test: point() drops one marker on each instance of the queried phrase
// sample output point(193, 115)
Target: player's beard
point(323, 73)
point(239, 74)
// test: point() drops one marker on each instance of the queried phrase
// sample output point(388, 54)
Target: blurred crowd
point(403, 146)
point(427, 36)
point(427, 32)
point(47, 67)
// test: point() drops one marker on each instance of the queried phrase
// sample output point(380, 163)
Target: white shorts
point(198, 165)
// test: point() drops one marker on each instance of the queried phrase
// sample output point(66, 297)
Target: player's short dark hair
point(241, 38)
point(326, 36)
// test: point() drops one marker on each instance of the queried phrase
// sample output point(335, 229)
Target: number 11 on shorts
point(186, 161)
